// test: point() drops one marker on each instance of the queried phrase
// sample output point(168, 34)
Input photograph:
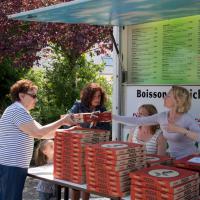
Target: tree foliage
point(20, 41)
point(8, 76)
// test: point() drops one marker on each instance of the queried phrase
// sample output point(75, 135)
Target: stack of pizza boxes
point(69, 153)
point(162, 182)
point(191, 162)
point(154, 159)
point(108, 166)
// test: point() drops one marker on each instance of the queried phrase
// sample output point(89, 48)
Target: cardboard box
point(164, 176)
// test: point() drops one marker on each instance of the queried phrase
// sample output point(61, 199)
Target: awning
point(111, 12)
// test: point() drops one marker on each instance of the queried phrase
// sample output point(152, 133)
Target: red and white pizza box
point(117, 148)
point(138, 196)
point(77, 179)
point(163, 195)
point(111, 157)
point(100, 171)
point(94, 172)
point(139, 185)
point(78, 132)
point(105, 117)
point(164, 176)
point(69, 174)
point(97, 159)
point(154, 159)
point(68, 166)
point(115, 186)
point(190, 162)
point(68, 149)
point(108, 178)
point(89, 117)
point(105, 167)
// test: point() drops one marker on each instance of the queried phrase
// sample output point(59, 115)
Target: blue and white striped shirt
point(16, 147)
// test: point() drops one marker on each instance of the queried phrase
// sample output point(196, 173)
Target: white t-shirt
point(16, 147)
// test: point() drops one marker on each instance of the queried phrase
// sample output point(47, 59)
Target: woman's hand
point(95, 116)
point(171, 127)
point(68, 119)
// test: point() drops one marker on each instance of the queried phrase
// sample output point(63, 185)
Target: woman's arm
point(193, 135)
point(36, 130)
point(162, 145)
point(150, 120)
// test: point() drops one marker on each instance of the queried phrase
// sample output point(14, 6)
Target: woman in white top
point(17, 132)
point(151, 136)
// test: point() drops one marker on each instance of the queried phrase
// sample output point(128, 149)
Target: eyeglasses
point(34, 96)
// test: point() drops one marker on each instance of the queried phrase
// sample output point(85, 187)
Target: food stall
point(157, 44)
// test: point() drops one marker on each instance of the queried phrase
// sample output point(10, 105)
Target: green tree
point(8, 76)
point(27, 38)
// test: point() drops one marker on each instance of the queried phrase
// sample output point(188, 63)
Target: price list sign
point(165, 52)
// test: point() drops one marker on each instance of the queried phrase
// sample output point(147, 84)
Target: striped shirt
point(152, 144)
point(16, 147)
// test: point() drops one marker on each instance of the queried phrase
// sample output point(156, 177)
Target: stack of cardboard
point(108, 166)
point(191, 162)
point(69, 153)
point(164, 183)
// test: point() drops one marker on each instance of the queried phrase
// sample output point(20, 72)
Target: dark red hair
point(88, 93)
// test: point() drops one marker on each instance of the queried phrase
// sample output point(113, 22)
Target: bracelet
point(187, 133)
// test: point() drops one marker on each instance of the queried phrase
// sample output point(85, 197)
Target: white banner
point(135, 96)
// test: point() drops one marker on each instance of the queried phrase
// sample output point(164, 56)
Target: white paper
point(195, 160)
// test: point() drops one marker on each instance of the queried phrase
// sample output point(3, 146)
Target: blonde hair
point(182, 98)
point(39, 156)
point(151, 110)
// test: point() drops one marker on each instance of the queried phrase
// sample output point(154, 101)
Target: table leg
point(85, 195)
point(66, 193)
point(75, 194)
point(58, 192)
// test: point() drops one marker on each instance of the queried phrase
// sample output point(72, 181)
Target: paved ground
point(30, 192)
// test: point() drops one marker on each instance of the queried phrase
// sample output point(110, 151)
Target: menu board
point(165, 52)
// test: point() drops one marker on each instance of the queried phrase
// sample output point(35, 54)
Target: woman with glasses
point(17, 132)
point(150, 136)
point(179, 128)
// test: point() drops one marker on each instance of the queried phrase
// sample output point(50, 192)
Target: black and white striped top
point(16, 147)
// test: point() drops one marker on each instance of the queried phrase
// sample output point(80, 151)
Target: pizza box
point(164, 176)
